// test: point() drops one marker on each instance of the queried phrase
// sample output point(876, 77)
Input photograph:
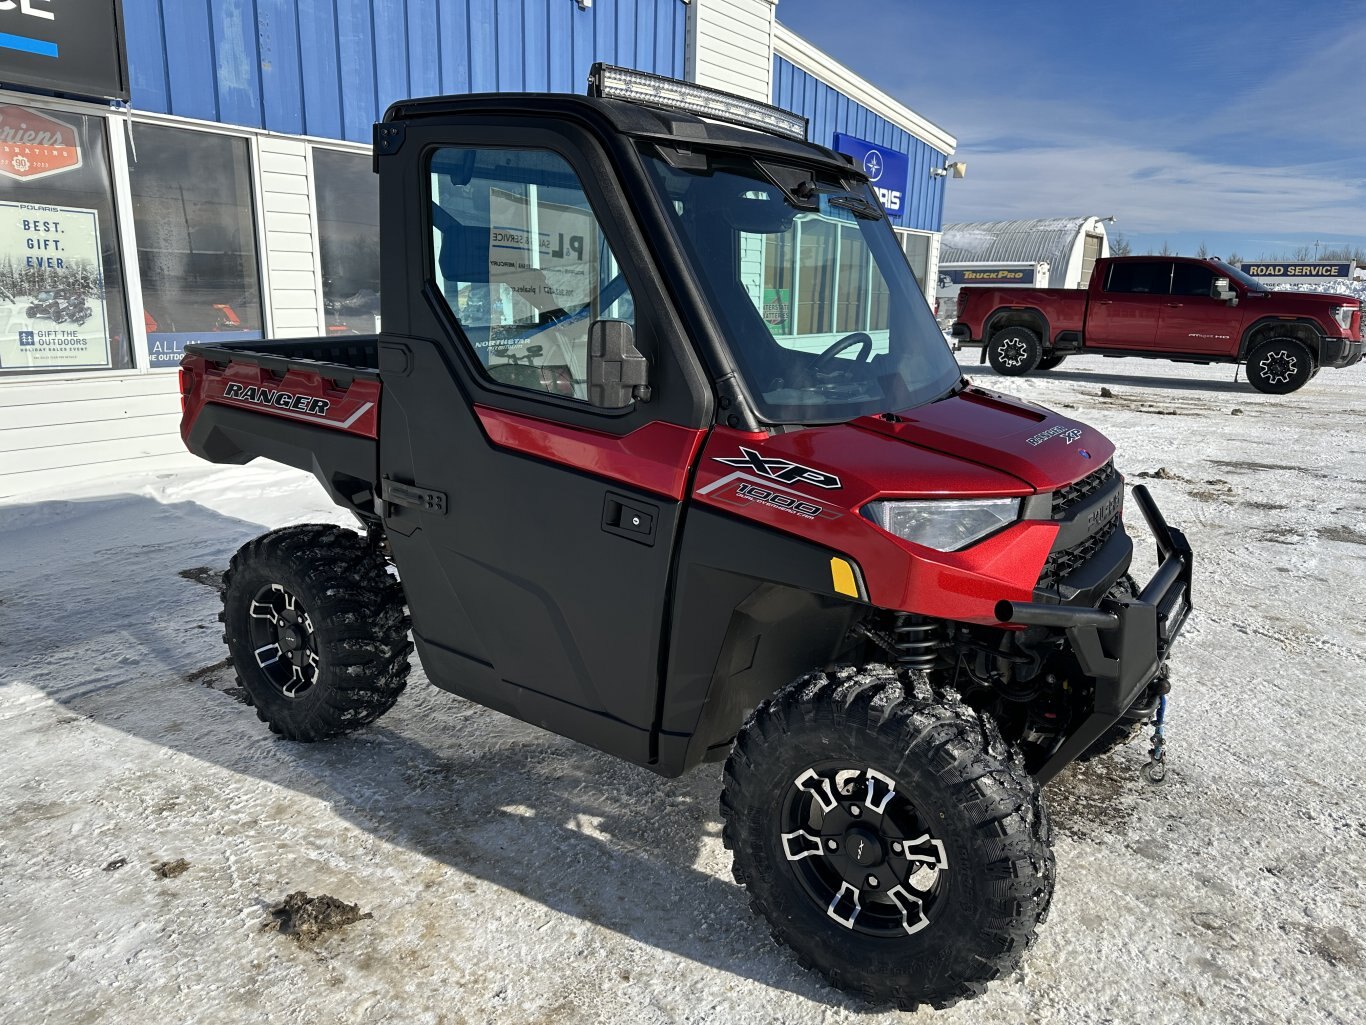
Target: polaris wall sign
point(73, 47)
point(887, 170)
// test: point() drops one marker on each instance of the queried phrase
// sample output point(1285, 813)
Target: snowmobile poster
point(53, 314)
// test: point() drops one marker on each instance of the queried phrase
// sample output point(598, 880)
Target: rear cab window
point(1141, 277)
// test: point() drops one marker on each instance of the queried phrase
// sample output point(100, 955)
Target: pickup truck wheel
point(1014, 351)
point(316, 629)
point(891, 839)
point(1052, 360)
point(1279, 366)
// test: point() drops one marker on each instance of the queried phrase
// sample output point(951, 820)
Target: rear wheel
point(316, 629)
point(1014, 351)
point(892, 840)
point(1052, 360)
point(1279, 366)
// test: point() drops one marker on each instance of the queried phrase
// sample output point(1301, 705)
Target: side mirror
point(1223, 292)
point(617, 372)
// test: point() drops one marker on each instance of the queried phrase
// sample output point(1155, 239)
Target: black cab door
point(534, 531)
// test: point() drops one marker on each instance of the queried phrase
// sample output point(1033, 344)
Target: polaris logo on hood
point(279, 399)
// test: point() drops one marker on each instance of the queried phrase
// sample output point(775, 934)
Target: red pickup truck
point(1185, 310)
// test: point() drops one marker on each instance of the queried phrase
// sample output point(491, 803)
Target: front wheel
point(1014, 351)
point(316, 629)
point(895, 843)
point(1279, 366)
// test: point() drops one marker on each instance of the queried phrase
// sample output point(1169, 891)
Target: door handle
point(631, 519)
point(1176, 306)
point(1104, 302)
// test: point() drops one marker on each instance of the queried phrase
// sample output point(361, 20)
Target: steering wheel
point(860, 338)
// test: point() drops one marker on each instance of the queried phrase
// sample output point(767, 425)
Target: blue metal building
point(232, 196)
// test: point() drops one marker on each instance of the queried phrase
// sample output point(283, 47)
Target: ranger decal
point(280, 399)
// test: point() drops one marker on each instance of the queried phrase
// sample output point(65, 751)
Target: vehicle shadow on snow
point(131, 641)
point(985, 374)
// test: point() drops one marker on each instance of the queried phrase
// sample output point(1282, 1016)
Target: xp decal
point(1067, 434)
point(781, 469)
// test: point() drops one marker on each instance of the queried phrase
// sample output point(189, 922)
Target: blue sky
point(1240, 125)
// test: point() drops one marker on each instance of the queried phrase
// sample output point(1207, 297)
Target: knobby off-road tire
point(1279, 366)
point(1053, 359)
point(1014, 351)
point(317, 630)
point(974, 878)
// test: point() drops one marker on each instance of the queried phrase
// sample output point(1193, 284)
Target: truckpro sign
point(986, 275)
point(66, 46)
point(887, 170)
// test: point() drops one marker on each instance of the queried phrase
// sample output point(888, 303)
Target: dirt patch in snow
point(115, 865)
point(206, 575)
point(170, 869)
point(1344, 534)
point(208, 670)
point(307, 919)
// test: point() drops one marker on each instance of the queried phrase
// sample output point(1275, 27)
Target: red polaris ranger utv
point(669, 456)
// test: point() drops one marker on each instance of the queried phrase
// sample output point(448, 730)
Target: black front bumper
point(1121, 644)
point(1340, 352)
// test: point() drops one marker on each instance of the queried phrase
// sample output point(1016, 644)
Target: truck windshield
point(816, 300)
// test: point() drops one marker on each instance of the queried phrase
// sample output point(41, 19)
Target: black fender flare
point(1257, 325)
point(1045, 336)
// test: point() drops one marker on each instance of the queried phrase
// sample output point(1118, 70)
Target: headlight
point(944, 525)
point(1343, 315)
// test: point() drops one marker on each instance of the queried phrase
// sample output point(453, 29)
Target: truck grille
point(1070, 495)
point(1061, 565)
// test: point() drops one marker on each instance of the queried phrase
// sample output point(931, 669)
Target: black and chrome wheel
point(859, 846)
point(1279, 366)
point(317, 630)
point(890, 837)
point(284, 643)
point(1014, 351)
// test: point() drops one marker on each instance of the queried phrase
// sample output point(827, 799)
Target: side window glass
point(523, 265)
point(1192, 279)
point(1142, 278)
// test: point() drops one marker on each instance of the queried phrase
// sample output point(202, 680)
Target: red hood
point(1034, 444)
point(975, 444)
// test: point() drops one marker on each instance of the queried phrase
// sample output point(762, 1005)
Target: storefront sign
point(1297, 271)
point(986, 276)
point(33, 145)
point(886, 169)
point(52, 305)
point(66, 46)
point(778, 310)
point(164, 348)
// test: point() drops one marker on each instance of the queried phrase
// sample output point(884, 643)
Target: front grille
point(1070, 495)
point(1062, 564)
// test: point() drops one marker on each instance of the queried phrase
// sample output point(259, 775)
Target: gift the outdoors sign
point(52, 304)
point(66, 46)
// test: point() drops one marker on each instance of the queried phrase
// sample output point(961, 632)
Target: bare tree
point(1166, 249)
point(1120, 245)
point(1203, 251)
point(1233, 258)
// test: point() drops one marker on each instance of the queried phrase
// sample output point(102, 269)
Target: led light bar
point(611, 82)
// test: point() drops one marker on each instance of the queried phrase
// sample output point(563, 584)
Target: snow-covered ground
point(516, 877)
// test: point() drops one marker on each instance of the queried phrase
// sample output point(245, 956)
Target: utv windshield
point(816, 301)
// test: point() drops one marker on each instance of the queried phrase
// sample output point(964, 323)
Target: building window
point(192, 212)
point(348, 233)
point(62, 304)
point(917, 250)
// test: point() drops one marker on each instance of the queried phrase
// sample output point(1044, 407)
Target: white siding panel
point(300, 223)
point(294, 299)
point(730, 46)
point(285, 203)
point(289, 241)
point(37, 439)
point(291, 259)
point(284, 163)
point(92, 448)
point(297, 323)
point(274, 181)
point(60, 390)
point(19, 419)
point(280, 279)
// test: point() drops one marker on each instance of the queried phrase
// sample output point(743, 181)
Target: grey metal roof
point(1045, 239)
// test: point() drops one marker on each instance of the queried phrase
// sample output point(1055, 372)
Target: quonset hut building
point(1069, 245)
point(212, 177)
